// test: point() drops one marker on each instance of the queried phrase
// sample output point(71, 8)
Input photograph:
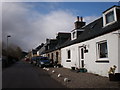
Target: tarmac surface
point(25, 75)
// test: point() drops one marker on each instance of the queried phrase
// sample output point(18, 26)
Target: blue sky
point(77, 8)
point(30, 23)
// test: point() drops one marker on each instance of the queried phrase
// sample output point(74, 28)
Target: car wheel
point(35, 64)
point(40, 65)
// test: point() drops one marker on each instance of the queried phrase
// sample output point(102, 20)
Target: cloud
point(29, 28)
point(89, 19)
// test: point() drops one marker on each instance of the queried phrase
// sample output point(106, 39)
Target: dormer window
point(78, 28)
point(110, 16)
point(74, 35)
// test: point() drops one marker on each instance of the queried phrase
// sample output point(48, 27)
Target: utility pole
point(7, 45)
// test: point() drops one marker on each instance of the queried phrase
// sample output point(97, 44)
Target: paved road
point(25, 75)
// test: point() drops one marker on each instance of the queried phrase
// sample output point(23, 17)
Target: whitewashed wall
point(91, 56)
point(119, 51)
point(38, 53)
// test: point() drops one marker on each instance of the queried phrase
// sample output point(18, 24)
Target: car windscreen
point(38, 58)
point(44, 61)
point(33, 58)
point(44, 58)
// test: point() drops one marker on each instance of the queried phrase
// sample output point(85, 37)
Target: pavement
point(81, 80)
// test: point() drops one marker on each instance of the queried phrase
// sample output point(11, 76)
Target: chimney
point(47, 40)
point(79, 23)
point(77, 18)
point(81, 18)
point(42, 44)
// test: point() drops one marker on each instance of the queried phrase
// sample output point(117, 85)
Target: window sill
point(107, 24)
point(102, 61)
point(68, 60)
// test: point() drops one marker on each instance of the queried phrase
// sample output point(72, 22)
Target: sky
point(30, 23)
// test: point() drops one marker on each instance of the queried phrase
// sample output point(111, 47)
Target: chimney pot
point(77, 18)
point(81, 19)
point(79, 24)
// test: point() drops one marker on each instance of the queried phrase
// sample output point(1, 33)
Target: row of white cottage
point(95, 46)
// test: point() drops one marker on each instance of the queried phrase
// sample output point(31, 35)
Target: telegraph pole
point(7, 45)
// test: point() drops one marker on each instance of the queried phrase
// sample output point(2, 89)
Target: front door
point(81, 57)
point(57, 57)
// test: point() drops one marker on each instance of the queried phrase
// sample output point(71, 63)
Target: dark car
point(43, 62)
point(4, 61)
point(7, 61)
point(27, 59)
point(35, 59)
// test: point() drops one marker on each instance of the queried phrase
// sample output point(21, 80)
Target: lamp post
point(7, 44)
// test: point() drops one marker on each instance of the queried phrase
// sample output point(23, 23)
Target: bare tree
point(12, 51)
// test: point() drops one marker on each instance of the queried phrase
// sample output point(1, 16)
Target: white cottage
point(95, 46)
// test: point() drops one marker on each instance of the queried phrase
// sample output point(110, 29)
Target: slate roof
point(93, 30)
point(39, 47)
point(61, 38)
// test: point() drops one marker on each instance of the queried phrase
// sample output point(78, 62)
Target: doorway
point(81, 57)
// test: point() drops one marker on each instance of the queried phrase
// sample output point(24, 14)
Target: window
point(109, 17)
point(48, 47)
point(73, 34)
point(69, 54)
point(102, 50)
point(52, 56)
point(57, 56)
point(48, 55)
point(68, 60)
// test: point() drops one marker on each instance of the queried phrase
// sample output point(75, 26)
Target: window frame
point(74, 35)
point(57, 56)
point(98, 51)
point(106, 13)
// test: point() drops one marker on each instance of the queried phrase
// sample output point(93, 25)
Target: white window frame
point(48, 47)
point(74, 35)
point(104, 16)
point(68, 59)
point(98, 52)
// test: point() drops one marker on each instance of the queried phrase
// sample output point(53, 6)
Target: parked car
point(7, 61)
point(43, 62)
point(35, 59)
point(4, 61)
point(27, 59)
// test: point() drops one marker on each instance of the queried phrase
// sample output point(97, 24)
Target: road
point(25, 75)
